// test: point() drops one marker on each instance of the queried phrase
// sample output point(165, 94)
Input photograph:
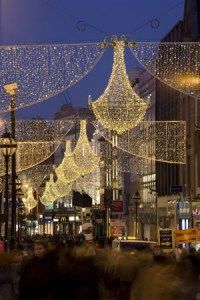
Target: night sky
point(56, 21)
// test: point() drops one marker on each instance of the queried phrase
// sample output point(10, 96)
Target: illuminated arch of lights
point(163, 141)
point(176, 64)
point(43, 71)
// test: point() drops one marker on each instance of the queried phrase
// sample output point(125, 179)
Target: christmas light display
point(29, 201)
point(67, 171)
point(176, 64)
point(43, 71)
point(30, 154)
point(85, 157)
point(42, 130)
point(119, 108)
point(163, 141)
point(34, 176)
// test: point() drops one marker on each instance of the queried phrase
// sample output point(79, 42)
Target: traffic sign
point(176, 189)
point(166, 238)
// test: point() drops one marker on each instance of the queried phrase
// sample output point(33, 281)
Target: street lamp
point(8, 147)
point(19, 195)
point(137, 200)
point(12, 90)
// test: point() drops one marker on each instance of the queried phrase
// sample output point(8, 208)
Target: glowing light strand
point(119, 108)
point(85, 157)
point(175, 64)
point(163, 141)
point(43, 71)
point(67, 171)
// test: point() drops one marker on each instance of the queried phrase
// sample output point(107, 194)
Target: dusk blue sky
point(55, 21)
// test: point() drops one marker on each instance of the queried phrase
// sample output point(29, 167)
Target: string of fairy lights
point(81, 162)
point(119, 108)
point(163, 141)
point(175, 64)
point(43, 71)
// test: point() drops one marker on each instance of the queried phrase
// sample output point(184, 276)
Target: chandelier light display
point(43, 71)
point(175, 64)
point(35, 175)
point(61, 189)
point(55, 190)
point(29, 201)
point(85, 158)
point(48, 196)
point(119, 108)
point(67, 171)
point(89, 183)
point(163, 141)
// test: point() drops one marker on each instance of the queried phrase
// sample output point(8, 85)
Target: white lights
point(85, 158)
point(176, 64)
point(119, 108)
point(42, 71)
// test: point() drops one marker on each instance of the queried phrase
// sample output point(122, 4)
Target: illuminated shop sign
point(196, 212)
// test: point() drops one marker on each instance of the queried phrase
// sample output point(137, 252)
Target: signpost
point(166, 238)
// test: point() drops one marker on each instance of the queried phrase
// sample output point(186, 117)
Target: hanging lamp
point(29, 201)
point(67, 171)
point(84, 156)
point(119, 108)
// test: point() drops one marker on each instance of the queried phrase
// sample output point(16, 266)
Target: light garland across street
point(175, 64)
point(163, 141)
point(43, 71)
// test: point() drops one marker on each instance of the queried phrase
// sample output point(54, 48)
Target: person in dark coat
point(38, 275)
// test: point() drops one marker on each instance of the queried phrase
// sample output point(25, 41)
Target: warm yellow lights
point(175, 64)
point(85, 157)
point(43, 71)
point(67, 171)
point(187, 80)
point(119, 108)
point(55, 190)
point(163, 141)
point(11, 89)
point(30, 201)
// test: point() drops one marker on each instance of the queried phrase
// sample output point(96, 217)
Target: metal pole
point(74, 221)
point(136, 218)
point(13, 180)
point(107, 222)
point(156, 217)
point(6, 210)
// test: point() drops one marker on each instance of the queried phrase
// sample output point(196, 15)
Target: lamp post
point(137, 200)
point(11, 91)
point(8, 147)
point(19, 195)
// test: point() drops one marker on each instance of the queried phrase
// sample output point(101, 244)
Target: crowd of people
point(44, 268)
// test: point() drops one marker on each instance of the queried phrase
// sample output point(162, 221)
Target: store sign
point(166, 238)
point(117, 228)
point(196, 213)
point(186, 236)
point(117, 206)
point(63, 219)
